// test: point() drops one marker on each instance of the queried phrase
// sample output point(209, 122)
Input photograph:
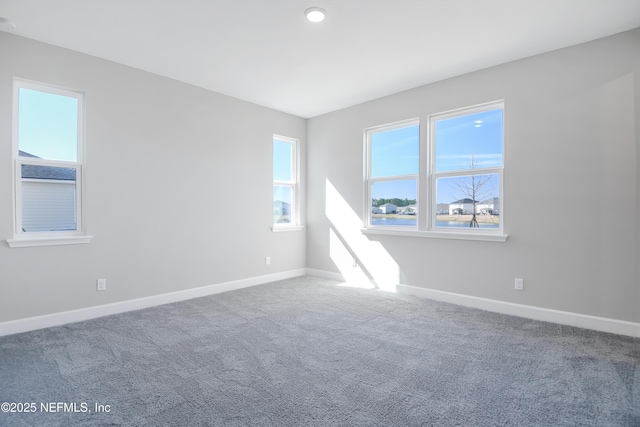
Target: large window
point(48, 162)
point(392, 174)
point(285, 182)
point(467, 161)
point(455, 190)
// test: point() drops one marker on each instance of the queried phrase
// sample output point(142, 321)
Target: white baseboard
point(62, 318)
point(603, 324)
point(537, 313)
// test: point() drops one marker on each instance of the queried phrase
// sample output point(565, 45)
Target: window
point(285, 183)
point(48, 166)
point(392, 174)
point(467, 162)
point(456, 191)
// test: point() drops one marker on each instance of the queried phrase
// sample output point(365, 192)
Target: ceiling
point(265, 52)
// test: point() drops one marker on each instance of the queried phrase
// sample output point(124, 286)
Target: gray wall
point(163, 158)
point(571, 188)
point(178, 187)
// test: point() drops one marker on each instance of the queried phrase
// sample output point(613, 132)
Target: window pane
point(394, 203)
point(468, 142)
point(457, 198)
point(395, 152)
point(47, 125)
point(282, 160)
point(48, 198)
point(282, 203)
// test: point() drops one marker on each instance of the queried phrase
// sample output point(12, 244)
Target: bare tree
point(472, 187)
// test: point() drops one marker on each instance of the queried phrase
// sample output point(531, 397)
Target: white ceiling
point(265, 52)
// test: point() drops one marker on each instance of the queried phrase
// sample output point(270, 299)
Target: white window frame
point(369, 180)
point(294, 184)
point(48, 238)
point(427, 179)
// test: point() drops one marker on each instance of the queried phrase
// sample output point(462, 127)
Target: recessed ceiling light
point(7, 24)
point(315, 14)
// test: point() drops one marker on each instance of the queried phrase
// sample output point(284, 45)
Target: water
point(393, 221)
point(463, 224)
point(412, 223)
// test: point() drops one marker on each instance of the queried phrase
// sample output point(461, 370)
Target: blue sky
point(395, 152)
point(48, 125)
point(458, 141)
point(282, 158)
point(478, 135)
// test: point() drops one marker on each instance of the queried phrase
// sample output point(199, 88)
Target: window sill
point(24, 242)
point(486, 237)
point(280, 228)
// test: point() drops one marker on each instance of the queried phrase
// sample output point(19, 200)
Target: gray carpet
point(304, 352)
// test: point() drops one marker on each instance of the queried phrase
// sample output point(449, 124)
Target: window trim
point(294, 225)
point(426, 177)
point(47, 238)
point(454, 235)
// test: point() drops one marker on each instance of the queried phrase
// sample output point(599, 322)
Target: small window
point(393, 165)
point(48, 164)
point(285, 181)
point(467, 163)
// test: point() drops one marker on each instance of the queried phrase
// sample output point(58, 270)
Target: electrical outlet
point(267, 261)
point(519, 286)
point(101, 285)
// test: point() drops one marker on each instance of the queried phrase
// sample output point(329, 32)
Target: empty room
point(320, 213)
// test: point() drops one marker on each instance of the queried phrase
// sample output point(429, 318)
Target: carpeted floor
point(305, 352)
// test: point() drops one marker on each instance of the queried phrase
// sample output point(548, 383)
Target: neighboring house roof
point(461, 201)
point(494, 200)
point(25, 154)
point(46, 172)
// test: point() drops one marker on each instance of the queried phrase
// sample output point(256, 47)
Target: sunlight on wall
point(354, 276)
point(374, 264)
